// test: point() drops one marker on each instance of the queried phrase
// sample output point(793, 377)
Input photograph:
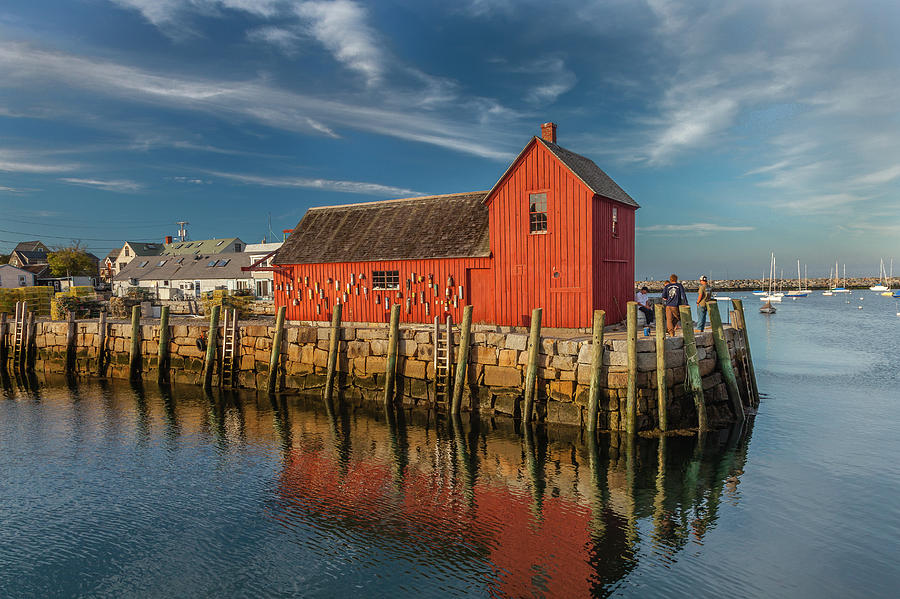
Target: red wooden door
point(480, 285)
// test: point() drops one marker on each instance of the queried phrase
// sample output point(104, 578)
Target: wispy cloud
point(700, 228)
point(14, 161)
point(4, 189)
point(258, 100)
point(358, 187)
point(879, 177)
point(341, 27)
point(191, 180)
point(117, 185)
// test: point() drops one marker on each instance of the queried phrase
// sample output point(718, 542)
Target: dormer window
point(537, 212)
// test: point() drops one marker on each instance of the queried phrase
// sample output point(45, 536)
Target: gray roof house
point(171, 277)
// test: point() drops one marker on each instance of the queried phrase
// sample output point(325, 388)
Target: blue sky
point(741, 127)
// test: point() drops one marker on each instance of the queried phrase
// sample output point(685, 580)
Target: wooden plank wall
point(613, 280)
point(525, 264)
point(294, 285)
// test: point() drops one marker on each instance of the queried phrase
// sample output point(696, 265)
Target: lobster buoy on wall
point(201, 342)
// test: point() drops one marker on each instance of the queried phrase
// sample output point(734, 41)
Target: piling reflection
point(544, 512)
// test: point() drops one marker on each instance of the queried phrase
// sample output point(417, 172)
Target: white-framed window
point(386, 279)
point(127, 253)
point(615, 222)
point(22, 281)
point(537, 212)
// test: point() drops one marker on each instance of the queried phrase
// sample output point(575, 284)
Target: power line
point(73, 237)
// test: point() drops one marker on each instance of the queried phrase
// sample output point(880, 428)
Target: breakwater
point(755, 284)
point(698, 382)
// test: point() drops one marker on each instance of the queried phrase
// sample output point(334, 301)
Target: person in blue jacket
point(673, 295)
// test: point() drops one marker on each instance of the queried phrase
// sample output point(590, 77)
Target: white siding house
point(185, 276)
point(11, 276)
point(263, 280)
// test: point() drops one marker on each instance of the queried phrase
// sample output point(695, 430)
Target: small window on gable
point(615, 222)
point(237, 247)
point(537, 212)
point(127, 252)
point(386, 279)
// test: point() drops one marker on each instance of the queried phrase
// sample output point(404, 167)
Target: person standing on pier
point(703, 297)
point(673, 295)
point(641, 297)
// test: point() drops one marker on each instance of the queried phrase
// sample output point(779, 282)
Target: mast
point(798, 274)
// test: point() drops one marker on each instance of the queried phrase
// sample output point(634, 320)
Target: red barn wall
point(551, 270)
point(361, 307)
point(613, 256)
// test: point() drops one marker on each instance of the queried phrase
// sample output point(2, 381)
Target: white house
point(132, 250)
point(185, 276)
point(12, 276)
point(263, 279)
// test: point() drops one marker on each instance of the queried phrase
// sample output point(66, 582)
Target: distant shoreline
point(757, 284)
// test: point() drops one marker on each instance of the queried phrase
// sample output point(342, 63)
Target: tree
point(71, 261)
point(4, 258)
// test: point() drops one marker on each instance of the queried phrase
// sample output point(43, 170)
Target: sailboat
point(830, 276)
point(882, 286)
point(837, 289)
point(761, 291)
point(771, 296)
point(800, 291)
point(890, 281)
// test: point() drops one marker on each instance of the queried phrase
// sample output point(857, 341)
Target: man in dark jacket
point(673, 295)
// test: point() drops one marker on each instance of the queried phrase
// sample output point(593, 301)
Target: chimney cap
point(548, 131)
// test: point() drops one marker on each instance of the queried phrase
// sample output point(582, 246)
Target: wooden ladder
point(443, 358)
point(226, 370)
point(19, 334)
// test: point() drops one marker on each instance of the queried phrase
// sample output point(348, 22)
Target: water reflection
point(469, 503)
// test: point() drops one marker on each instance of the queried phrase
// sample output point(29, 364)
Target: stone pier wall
point(495, 375)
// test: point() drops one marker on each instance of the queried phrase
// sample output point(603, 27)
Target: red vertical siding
point(551, 270)
point(294, 284)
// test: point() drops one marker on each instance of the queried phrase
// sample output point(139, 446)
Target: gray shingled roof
point(200, 246)
point(145, 249)
point(188, 269)
point(443, 226)
point(590, 174)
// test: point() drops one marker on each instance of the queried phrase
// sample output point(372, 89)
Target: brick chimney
point(167, 239)
point(548, 132)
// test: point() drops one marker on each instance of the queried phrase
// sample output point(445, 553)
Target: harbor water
point(109, 489)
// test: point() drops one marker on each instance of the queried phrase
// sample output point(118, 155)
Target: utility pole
point(182, 232)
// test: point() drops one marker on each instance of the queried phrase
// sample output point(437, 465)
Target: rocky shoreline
point(755, 284)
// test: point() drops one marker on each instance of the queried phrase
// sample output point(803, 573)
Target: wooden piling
point(211, 342)
point(134, 361)
point(742, 325)
point(162, 356)
point(333, 345)
point(30, 343)
point(4, 351)
point(275, 356)
point(534, 350)
point(462, 360)
point(70, 342)
point(659, 314)
point(393, 345)
point(631, 381)
point(692, 366)
point(596, 368)
point(101, 343)
point(725, 365)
